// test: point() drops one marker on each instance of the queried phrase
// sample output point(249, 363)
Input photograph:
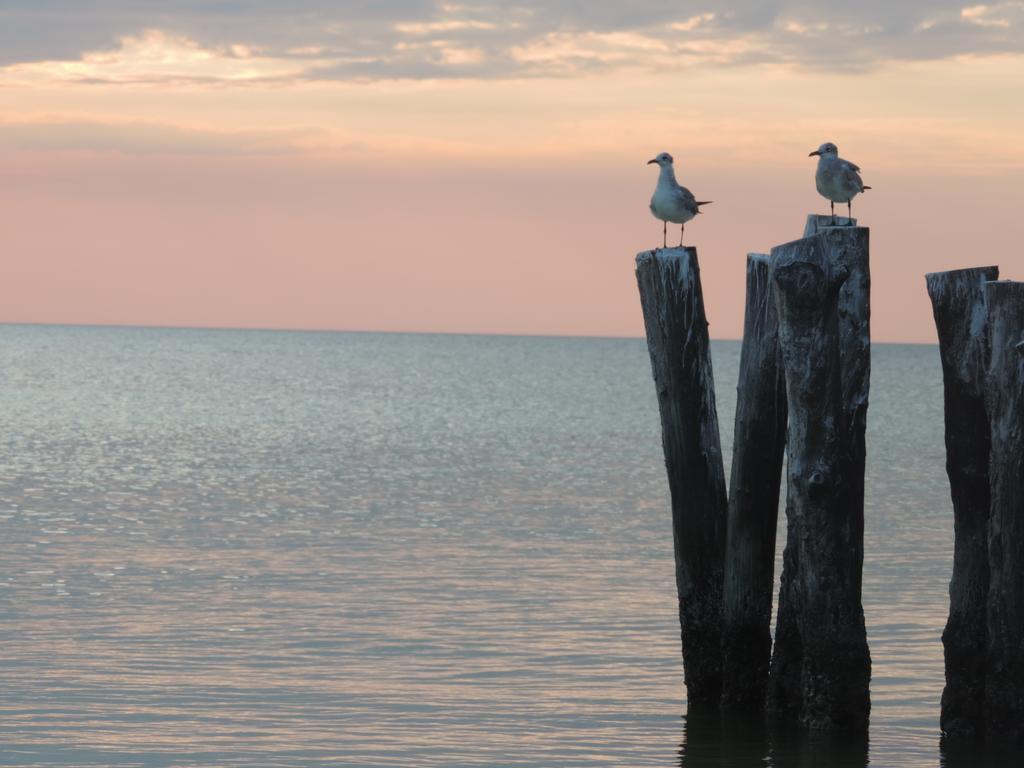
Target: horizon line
point(370, 331)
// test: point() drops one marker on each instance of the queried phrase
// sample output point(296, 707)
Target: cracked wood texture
point(754, 485)
point(677, 339)
point(958, 303)
point(821, 667)
point(1004, 685)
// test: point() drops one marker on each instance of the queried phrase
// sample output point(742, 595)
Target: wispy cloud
point(1000, 22)
point(701, 19)
point(134, 137)
point(159, 57)
point(446, 25)
point(1000, 15)
point(569, 53)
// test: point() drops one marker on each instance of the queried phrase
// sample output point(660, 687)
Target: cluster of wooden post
point(980, 322)
point(805, 356)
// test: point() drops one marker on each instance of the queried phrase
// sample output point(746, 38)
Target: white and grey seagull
point(838, 180)
point(672, 202)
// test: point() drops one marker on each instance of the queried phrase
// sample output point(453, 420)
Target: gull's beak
point(815, 152)
point(652, 162)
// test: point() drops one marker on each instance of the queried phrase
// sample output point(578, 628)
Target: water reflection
point(298, 550)
point(712, 740)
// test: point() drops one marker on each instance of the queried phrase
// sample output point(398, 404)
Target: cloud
point(448, 25)
point(999, 15)
point(999, 21)
point(693, 22)
point(183, 41)
point(568, 53)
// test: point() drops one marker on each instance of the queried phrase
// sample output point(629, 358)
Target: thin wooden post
point(760, 439)
point(958, 303)
point(677, 338)
point(849, 248)
point(1004, 685)
point(820, 665)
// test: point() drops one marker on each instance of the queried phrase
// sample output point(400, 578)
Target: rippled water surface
point(298, 549)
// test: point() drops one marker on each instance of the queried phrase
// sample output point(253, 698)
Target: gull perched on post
point(672, 202)
point(837, 179)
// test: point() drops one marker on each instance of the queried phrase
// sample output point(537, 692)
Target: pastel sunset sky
point(412, 165)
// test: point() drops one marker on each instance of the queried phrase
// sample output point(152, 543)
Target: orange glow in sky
point(485, 175)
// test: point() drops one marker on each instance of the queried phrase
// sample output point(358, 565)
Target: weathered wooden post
point(1004, 685)
point(760, 439)
point(677, 338)
point(958, 302)
point(820, 666)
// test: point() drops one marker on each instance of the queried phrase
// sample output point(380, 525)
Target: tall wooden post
point(760, 439)
point(820, 665)
point(1004, 687)
point(677, 338)
point(958, 303)
point(849, 248)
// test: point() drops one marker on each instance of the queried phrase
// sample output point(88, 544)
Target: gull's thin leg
point(832, 203)
point(682, 228)
point(849, 210)
point(664, 234)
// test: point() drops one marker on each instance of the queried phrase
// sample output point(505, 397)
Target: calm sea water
point(305, 549)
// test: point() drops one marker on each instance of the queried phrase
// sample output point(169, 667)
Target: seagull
point(672, 202)
point(837, 179)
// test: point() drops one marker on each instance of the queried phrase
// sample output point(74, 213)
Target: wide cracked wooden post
point(1004, 686)
point(760, 440)
point(958, 302)
point(821, 667)
point(677, 338)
